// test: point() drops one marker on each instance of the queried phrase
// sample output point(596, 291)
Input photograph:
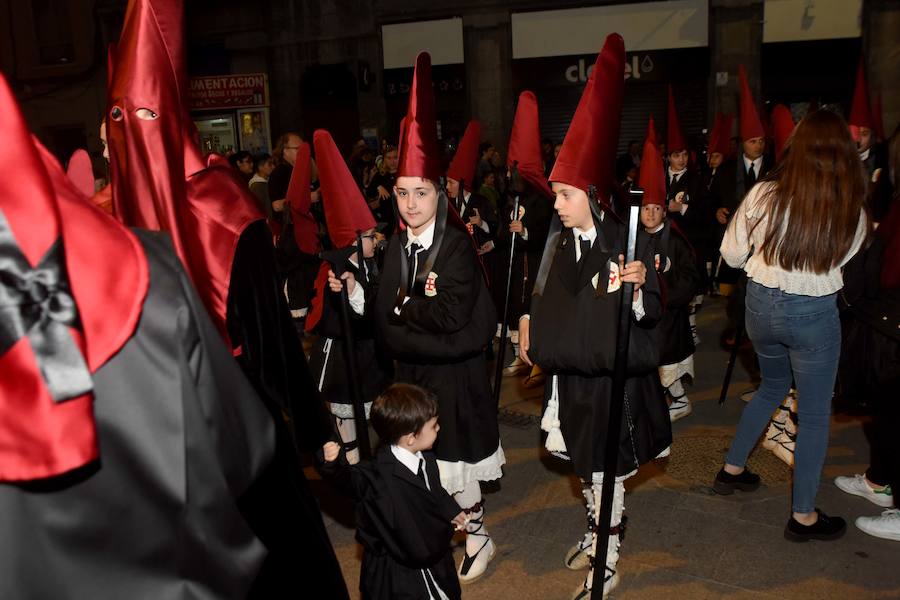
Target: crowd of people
point(278, 305)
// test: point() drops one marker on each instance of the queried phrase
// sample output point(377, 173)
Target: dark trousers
point(884, 466)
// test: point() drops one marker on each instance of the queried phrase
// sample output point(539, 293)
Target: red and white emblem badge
point(614, 281)
point(430, 285)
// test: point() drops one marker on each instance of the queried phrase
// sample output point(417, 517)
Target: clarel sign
point(228, 91)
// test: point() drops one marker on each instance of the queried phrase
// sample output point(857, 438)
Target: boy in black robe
point(673, 259)
point(405, 519)
point(570, 331)
point(434, 315)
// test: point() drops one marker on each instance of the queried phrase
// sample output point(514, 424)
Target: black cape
point(573, 337)
point(182, 437)
point(438, 340)
point(402, 526)
point(280, 505)
point(678, 268)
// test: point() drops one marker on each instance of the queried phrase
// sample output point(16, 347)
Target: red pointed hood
point(60, 250)
point(860, 108)
point(675, 139)
point(299, 199)
point(720, 136)
point(588, 154)
point(81, 172)
point(346, 211)
point(751, 124)
point(159, 179)
point(783, 127)
point(652, 178)
point(462, 167)
point(525, 144)
point(419, 155)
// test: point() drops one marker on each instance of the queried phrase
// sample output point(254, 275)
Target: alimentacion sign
point(228, 91)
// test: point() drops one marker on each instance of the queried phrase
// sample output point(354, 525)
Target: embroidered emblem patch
point(430, 285)
point(470, 228)
point(614, 281)
point(656, 261)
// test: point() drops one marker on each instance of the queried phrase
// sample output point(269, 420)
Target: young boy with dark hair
point(405, 519)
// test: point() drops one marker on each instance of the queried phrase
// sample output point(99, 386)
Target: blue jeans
point(795, 337)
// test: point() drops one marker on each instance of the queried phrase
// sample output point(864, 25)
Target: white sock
point(476, 533)
point(618, 509)
point(347, 430)
point(676, 390)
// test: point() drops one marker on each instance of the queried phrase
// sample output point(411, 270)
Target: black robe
point(678, 268)
point(573, 336)
point(402, 526)
point(538, 212)
point(697, 222)
point(488, 215)
point(182, 438)
point(280, 505)
point(329, 368)
point(438, 341)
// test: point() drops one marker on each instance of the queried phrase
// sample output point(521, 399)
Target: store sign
point(228, 91)
point(650, 67)
point(446, 79)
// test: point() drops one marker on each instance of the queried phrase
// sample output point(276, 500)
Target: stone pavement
point(683, 541)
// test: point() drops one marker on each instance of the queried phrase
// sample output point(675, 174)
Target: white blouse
point(739, 242)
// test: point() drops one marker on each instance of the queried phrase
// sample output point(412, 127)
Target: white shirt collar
point(864, 155)
point(257, 178)
point(425, 239)
point(407, 458)
point(757, 164)
point(590, 234)
point(677, 173)
point(658, 227)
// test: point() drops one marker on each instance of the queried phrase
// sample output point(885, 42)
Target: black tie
point(585, 249)
point(421, 471)
point(751, 177)
point(411, 264)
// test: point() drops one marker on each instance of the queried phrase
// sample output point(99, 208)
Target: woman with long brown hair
point(792, 234)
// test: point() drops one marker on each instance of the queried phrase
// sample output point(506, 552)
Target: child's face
point(651, 216)
point(573, 206)
point(678, 160)
point(417, 202)
point(424, 439)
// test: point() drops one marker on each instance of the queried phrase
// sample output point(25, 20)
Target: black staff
point(338, 259)
point(738, 339)
point(614, 427)
point(498, 370)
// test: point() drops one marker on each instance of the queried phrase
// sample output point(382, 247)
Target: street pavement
point(682, 540)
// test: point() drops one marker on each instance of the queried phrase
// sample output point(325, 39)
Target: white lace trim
point(345, 411)
point(669, 374)
point(455, 475)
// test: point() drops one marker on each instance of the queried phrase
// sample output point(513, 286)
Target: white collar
point(676, 173)
point(590, 234)
point(756, 162)
point(425, 239)
point(658, 227)
point(864, 155)
point(407, 458)
point(257, 178)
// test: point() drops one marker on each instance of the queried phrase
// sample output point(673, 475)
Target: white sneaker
point(473, 567)
point(887, 526)
point(583, 593)
point(858, 486)
point(577, 558)
point(515, 367)
point(680, 408)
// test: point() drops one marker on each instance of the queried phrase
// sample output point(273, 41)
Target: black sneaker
point(826, 528)
point(726, 483)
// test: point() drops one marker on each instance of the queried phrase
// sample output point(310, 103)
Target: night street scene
point(406, 300)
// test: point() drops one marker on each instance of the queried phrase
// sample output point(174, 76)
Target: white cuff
point(524, 234)
point(484, 226)
point(357, 299)
point(637, 306)
point(397, 308)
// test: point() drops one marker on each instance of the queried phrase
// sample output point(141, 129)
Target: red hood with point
point(588, 154)
point(525, 144)
point(462, 167)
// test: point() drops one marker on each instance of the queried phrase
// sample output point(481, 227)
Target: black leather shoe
point(825, 528)
point(726, 483)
